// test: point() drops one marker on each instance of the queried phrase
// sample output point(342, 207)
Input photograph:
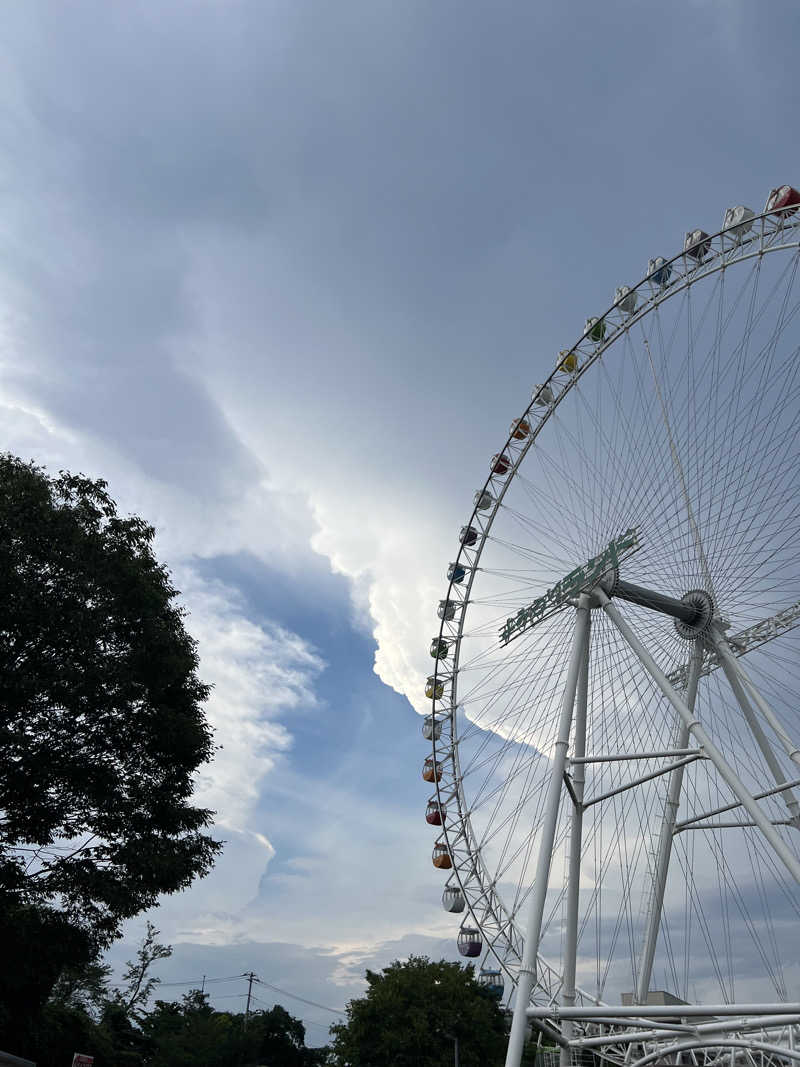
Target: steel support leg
point(727, 773)
point(575, 845)
point(664, 851)
point(731, 671)
point(725, 656)
point(527, 971)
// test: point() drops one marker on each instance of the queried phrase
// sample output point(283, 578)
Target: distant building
point(655, 996)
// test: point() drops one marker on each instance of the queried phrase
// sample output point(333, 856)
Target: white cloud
point(393, 564)
point(259, 671)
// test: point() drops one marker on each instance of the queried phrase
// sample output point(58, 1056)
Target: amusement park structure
point(615, 701)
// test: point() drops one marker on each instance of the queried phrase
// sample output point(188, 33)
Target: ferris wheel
point(615, 699)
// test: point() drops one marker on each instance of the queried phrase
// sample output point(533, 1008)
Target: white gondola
point(453, 899)
point(738, 220)
point(542, 395)
point(431, 728)
point(625, 298)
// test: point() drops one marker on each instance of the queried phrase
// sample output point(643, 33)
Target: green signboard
point(577, 581)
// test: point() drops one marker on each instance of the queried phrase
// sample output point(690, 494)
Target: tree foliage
point(37, 944)
point(114, 1026)
point(191, 1032)
point(412, 1014)
point(101, 720)
point(139, 983)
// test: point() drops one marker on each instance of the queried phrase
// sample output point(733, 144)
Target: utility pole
point(250, 976)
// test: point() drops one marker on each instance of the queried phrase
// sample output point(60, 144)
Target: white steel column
point(664, 851)
point(727, 773)
point(727, 659)
point(729, 668)
point(575, 843)
point(527, 971)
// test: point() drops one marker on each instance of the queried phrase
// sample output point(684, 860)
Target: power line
point(254, 978)
point(312, 1003)
point(306, 1022)
point(208, 981)
point(321, 1026)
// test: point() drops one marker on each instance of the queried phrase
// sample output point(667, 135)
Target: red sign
point(82, 1061)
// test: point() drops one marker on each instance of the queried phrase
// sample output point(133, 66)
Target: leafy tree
point(36, 945)
point(280, 1038)
point(82, 987)
point(413, 1012)
point(64, 1030)
point(139, 983)
point(191, 1033)
point(101, 720)
point(83, 1013)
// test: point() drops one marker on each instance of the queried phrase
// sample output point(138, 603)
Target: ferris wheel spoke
point(753, 435)
point(734, 398)
point(726, 463)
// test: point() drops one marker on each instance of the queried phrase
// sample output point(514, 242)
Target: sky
point(282, 273)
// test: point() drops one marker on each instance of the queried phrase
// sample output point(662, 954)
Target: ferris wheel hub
point(693, 613)
point(702, 603)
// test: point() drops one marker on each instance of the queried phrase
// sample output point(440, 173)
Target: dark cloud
point(367, 187)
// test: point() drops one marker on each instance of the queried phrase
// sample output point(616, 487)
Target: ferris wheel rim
point(769, 233)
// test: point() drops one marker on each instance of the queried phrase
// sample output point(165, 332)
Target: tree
point(413, 1012)
point(280, 1038)
point(84, 988)
point(84, 1013)
point(139, 985)
point(114, 1026)
point(191, 1033)
point(101, 720)
point(37, 944)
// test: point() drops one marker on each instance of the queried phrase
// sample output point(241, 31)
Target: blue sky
point(282, 273)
